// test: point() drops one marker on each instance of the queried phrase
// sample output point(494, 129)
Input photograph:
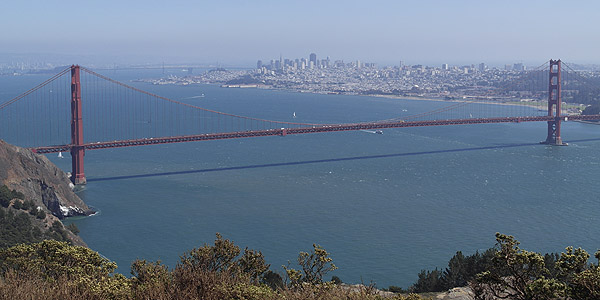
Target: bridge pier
point(77, 148)
point(77, 174)
point(554, 102)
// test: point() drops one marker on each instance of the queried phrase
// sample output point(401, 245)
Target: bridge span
point(125, 116)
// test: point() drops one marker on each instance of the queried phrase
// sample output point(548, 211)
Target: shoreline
point(587, 122)
point(410, 98)
point(542, 107)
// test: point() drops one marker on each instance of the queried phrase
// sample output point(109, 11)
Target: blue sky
point(240, 32)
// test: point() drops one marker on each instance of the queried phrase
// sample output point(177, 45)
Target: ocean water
point(385, 206)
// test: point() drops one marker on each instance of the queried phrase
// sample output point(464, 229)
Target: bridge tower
point(77, 148)
point(554, 102)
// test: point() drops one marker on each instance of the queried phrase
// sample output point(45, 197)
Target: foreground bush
point(59, 267)
point(519, 274)
point(57, 270)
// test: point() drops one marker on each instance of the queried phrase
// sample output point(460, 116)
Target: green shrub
point(273, 280)
point(461, 269)
point(27, 204)
point(5, 196)
point(73, 228)
point(336, 280)
point(17, 204)
point(396, 289)
point(17, 195)
point(53, 260)
point(315, 265)
point(41, 214)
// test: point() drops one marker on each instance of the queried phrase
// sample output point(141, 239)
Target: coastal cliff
point(40, 181)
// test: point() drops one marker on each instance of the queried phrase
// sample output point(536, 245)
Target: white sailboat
point(294, 115)
point(60, 155)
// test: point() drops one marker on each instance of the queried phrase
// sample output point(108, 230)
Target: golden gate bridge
point(113, 114)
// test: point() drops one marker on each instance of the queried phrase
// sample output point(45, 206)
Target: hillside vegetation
point(57, 270)
point(22, 221)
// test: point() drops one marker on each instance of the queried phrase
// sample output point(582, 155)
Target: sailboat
point(294, 115)
point(60, 155)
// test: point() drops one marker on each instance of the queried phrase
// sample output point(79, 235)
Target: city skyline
point(312, 61)
point(239, 33)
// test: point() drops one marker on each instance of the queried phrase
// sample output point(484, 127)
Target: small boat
point(294, 115)
point(378, 131)
point(60, 155)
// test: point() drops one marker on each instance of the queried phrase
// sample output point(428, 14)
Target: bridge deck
point(302, 130)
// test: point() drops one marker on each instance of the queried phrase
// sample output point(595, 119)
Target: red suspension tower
point(77, 148)
point(554, 102)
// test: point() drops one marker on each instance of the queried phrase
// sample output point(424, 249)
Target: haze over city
point(240, 32)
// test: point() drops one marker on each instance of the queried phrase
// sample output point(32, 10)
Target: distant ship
point(195, 97)
point(60, 155)
point(378, 131)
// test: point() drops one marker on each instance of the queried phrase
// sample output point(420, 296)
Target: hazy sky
point(241, 32)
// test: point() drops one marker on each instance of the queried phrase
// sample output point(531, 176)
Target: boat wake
point(194, 97)
point(373, 131)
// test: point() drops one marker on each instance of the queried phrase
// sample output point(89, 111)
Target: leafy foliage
point(18, 227)
point(252, 263)
point(51, 260)
point(57, 270)
point(150, 280)
point(586, 284)
point(520, 274)
point(315, 265)
point(201, 269)
point(73, 228)
point(461, 269)
point(6, 195)
point(429, 281)
point(509, 272)
point(273, 280)
point(516, 274)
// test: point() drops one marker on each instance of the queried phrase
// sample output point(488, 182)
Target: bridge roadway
point(301, 130)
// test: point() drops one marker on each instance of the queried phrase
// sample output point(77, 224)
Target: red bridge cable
point(579, 76)
point(192, 106)
point(39, 86)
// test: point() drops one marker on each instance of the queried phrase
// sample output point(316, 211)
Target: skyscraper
point(313, 58)
point(518, 67)
point(482, 67)
point(280, 62)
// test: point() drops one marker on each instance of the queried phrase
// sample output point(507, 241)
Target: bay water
point(384, 205)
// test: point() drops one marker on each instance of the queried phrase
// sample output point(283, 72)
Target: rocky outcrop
point(459, 293)
point(39, 180)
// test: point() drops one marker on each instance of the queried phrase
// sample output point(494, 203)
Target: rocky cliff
point(42, 182)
